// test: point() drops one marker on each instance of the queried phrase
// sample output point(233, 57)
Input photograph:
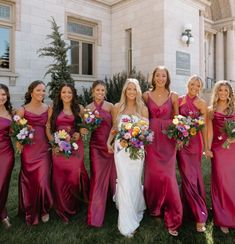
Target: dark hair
point(168, 81)
point(98, 82)
point(7, 104)
point(27, 96)
point(58, 107)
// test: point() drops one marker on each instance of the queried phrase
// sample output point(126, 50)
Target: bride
point(129, 193)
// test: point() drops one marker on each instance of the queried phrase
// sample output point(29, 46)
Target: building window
point(6, 31)
point(82, 37)
point(129, 50)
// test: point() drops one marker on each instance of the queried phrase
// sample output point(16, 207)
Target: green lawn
point(150, 231)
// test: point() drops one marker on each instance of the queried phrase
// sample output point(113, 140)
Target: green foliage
point(59, 69)
point(114, 87)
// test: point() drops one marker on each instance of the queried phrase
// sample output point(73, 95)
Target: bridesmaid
point(160, 185)
point(190, 156)
point(69, 176)
point(6, 152)
point(35, 198)
point(103, 172)
point(223, 166)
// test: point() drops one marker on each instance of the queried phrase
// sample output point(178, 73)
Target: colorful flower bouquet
point(91, 121)
point(183, 128)
point(133, 136)
point(229, 131)
point(63, 144)
point(21, 131)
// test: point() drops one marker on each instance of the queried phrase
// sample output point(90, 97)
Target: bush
point(114, 87)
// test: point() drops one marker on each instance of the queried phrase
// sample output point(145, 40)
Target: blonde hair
point(195, 78)
point(215, 97)
point(123, 100)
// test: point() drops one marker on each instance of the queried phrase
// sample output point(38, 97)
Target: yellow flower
point(201, 122)
point(193, 131)
point(86, 115)
point(143, 122)
point(128, 126)
point(23, 121)
point(175, 121)
point(62, 134)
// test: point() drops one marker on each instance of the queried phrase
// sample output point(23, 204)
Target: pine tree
point(59, 69)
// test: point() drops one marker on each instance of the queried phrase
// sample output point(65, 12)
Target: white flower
point(75, 146)
point(16, 117)
point(220, 138)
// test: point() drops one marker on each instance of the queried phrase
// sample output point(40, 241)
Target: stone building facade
point(110, 36)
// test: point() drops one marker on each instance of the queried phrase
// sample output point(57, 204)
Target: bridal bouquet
point(133, 136)
point(184, 127)
point(229, 131)
point(63, 144)
point(21, 131)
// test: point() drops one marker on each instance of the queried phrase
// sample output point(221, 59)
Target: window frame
point(72, 36)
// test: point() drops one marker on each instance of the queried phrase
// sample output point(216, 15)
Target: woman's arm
point(175, 103)
point(209, 133)
point(48, 125)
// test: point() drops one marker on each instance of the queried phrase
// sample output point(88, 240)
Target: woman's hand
point(208, 153)
point(84, 131)
point(110, 148)
point(231, 140)
point(76, 136)
point(19, 147)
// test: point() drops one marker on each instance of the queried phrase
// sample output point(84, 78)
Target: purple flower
point(65, 146)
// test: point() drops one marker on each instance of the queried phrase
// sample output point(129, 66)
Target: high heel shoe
point(200, 227)
point(225, 230)
point(173, 232)
point(45, 218)
point(6, 223)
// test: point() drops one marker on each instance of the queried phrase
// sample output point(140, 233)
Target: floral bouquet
point(133, 136)
point(63, 144)
point(229, 130)
point(21, 131)
point(91, 121)
point(183, 128)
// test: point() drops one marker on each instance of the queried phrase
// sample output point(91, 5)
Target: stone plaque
point(182, 63)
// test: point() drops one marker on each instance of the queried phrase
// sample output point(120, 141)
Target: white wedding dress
point(129, 196)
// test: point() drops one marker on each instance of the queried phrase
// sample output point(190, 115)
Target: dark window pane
point(75, 57)
point(80, 29)
point(87, 57)
point(4, 47)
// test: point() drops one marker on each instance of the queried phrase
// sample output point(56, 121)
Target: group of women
point(50, 180)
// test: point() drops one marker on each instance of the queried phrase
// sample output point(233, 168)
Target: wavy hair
point(195, 78)
point(7, 104)
point(27, 96)
point(123, 100)
point(215, 97)
point(168, 81)
point(58, 107)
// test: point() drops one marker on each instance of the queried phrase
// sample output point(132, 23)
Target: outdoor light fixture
point(186, 36)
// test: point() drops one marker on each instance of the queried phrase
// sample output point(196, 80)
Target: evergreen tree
point(59, 69)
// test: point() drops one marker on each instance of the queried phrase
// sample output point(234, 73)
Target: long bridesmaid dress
point(222, 175)
point(6, 164)
point(189, 159)
point(35, 199)
point(103, 172)
point(70, 182)
point(160, 185)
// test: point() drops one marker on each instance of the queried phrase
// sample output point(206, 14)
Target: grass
point(150, 231)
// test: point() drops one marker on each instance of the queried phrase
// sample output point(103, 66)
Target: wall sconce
point(186, 36)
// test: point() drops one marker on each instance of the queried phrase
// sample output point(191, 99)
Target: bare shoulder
point(201, 103)
point(174, 95)
point(145, 95)
point(108, 105)
point(20, 111)
point(89, 106)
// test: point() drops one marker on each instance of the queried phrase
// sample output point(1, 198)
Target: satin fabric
point(35, 199)
point(222, 175)
point(129, 196)
point(69, 177)
point(6, 164)
point(103, 172)
point(189, 159)
point(160, 185)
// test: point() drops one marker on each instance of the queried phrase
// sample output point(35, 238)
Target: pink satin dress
point(35, 199)
point(222, 175)
point(70, 182)
point(189, 159)
point(103, 172)
point(6, 164)
point(160, 185)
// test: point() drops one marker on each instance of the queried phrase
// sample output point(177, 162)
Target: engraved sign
point(182, 63)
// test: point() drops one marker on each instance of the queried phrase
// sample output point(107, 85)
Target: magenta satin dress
point(103, 172)
point(160, 185)
point(222, 176)
point(189, 159)
point(70, 180)
point(35, 199)
point(6, 164)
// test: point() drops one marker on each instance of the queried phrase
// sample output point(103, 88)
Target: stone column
point(202, 45)
point(230, 55)
point(219, 56)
